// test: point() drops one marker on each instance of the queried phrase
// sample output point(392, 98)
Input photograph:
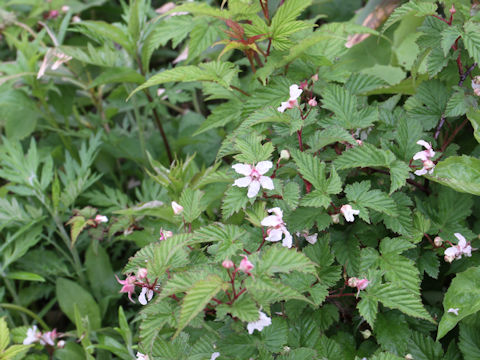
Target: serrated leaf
point(266, 291)
point(202, 36)
point(275, 335)
point(368, 308)
point(361, 83)
point(220, 116)
point(449, 36)
point(234, 200)
point(457, 104)
point(391, 331)
point(216, 71)
point(412, 7)
point(244, 308)
point(401, 271)
point(436, 61)
point(461, 173)
point(473, 116)
point(252, 150)
point(4, 335)
point(469, 342)
point(191, 201)
point(279, 259)
point(347, 251)
point(360, 193)
point(395, 297)
point(316, 198)
point(197, 298)
point(15, 352)
point(291, 194)
point(154, 318)
point(471, 39)
point(311, 168)
point(330, 135)
point(429, 263)
point(464, 295)
point(424, 348)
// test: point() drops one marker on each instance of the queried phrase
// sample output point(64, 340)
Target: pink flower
point(425, 156)
point(177, 208)
point(360, 284)
point(128, 285)
point(295, 92)
point(49, 337)
point(348, 212)
point(164, 235)
point(145, 295)
point(33, 336)
point(228, 264)
point(462, 248)
point(262, 322)
point(254, 177)
point(312, 102)
point(245, 265)
point(277, 228)
point(453, 311)
point(65, 8)
point(142, 273)
point(101, 219)
point(315, 77)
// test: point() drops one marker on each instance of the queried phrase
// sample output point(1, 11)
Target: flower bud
point(362, 284)
point(352, 282)
point(366, 333)
point(438, 241)
point(61, 344)
point(142, 273)
point(177, 208)
point(303, 85)
point(164, 235)
point(312, 102)
point(359, 142)
point(284, 155)
point(452, 10)
point(335, 218)
point(227, 264)
point(65, 8)
point(408, 357)
point(76, 19)
point(315, 77)
point(101, 219)
point(449, 258)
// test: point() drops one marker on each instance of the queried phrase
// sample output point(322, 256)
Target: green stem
point(28, 312)
point(13, 292)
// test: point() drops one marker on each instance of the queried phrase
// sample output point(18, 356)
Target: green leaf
point(99, 271)
point(15, 352)
point(360, 83)
point(103, 30)
point(316, 198)
point(4, 335)
point(191, 201)
point(234, 200)
point(266, 291)
point(275, 336)
point(219, 72)
point(392, 332)
point(464, 294)
point(202, 36)
point(474, 116)
point(461, 173)
point(18, 114)
point(24, 275)
point(220, 116)
point(154, 318)
point(436, 61)
point(412, 7)
point(471, 39)
point(360, 194)
point(401, 271)
point(396, 297)
point(244, 308)
point(70, 294)
point(424, 348)
point(330, 135)
point(469, 342)
point(368, 308)
point(311, 168)
point(197, 298)
point(252, 150)
point(279, 259)
point(117, 75)
point(449, 36)
point(457, 104)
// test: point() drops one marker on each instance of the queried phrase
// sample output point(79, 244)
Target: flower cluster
point(456, 251)
point(277, 228)
point(254, 177)
point(140, 279)
point(48, 338)
point(425, 156)
point(245, 265)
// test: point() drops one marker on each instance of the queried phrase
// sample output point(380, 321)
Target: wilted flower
point(101, 219)
point(128, 285)
point(425, 156)
point(453, 311)
point(228, 264)
point(164, 235)
point(295, 92)
point(254, 177)
point(145, 295)
point(348, 212)
point(245, 265)
point(263, 321)
point(277, 228)
point(53, 59)
point(462, 248)
point(33, 335)
point(177, 208)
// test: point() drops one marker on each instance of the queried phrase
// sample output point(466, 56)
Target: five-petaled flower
point(262, 322)
point(254, 177)
point(348, 212)
point(462, 248)
point(425, 156)
point(245, 265)
point(295, 92)
point(277, 228)
point(128, 285)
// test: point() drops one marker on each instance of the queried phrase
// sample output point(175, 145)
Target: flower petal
point(295, 92)
point(275, 235)
point(263, 166)
point(421, 172)
point(287, 240)
point(266, 182)
point(421, 155)
point(271, 220)
point(283, 106)
point(243, 182)
point(425, 144)
point(277, 211)
point(243, 169)
point(253, 189)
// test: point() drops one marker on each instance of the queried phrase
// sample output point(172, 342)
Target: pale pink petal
point(284, 106)
point(263, 166)
point(243, 182)
point(243, 169)
point(253, 189)
point(271, 220)
point(262, 322)
point(275, 235)
point(287, 240)
point(266, 182)
point(421, 172)
point(312, 239)
point(425, 144)
point(183, 56)
point(461, 239)
point(295, 92)
point(421, 155)
point(277, 211)
point(453, 311)
point(451, 251)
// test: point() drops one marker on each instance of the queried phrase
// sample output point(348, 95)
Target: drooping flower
point(462, 248)
point(33, 336)
point(348, 212)
point(141, 356)
point(262, 322)
point(360, 284)
point(61, 344)
point(128, 285)
point(53, 59)
point(101, 219)
point(425, 156)
point(145, 295)
point(285, 154)
point(453, 311)
point(177, 208)
point(295, 92)
point(245, 265)
point(254, 177)
point(277, 228)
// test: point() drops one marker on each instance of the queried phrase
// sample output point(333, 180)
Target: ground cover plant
point(240, 179)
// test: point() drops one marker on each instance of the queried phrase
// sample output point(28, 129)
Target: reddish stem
point(451, 137)
point(340, 295)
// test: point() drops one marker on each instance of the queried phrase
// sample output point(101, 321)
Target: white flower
point(254, 177)
point(348, 212)
point(263, 321)
point(295, 92)
point(141, 356)
point(453, 311)
point(277, 228)
point(49, 337)
point(312, 239)
point(145, 296)
point(101, 219)
point(425, 156)
point(215, 355)
point(53, 59)
point(33, 335)
point(462, 248)
point(177, 208)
